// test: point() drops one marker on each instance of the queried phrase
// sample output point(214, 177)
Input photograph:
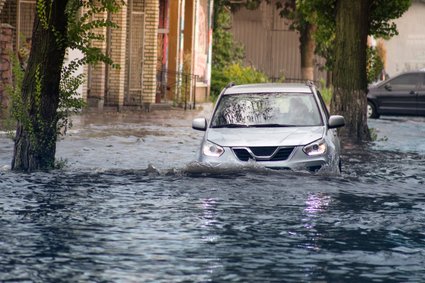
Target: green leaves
point(228, 54)
point(86, 21)
point(225, 50)
point(382, 12)
point(44, 8)
point(70, 101)
point(380, 25)
point(375, 64)
point(235, 73)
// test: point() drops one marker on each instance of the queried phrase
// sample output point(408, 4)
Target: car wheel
point(371, 111)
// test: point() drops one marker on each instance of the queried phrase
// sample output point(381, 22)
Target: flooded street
point(132, 205)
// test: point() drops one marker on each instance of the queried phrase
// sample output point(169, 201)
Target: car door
point(398, 96)
point(421, 96)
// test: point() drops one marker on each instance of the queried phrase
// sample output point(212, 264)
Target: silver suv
point(276, 125)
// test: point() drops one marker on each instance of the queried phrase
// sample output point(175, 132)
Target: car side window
point(322, 102)
point(403, 82)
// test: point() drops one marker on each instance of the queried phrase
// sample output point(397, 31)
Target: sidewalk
point(157, 114)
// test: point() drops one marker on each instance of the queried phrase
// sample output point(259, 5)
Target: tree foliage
point(322, 13)
point(341, 32)
point(375, 65)
point(237, 74)
point(226, 50)
point(299, 12)
point(381, 12)
point(227, 65)
point(83, 31)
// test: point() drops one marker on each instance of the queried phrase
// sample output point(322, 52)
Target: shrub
point(234, 73)
point(375, 65)
point(226, 50)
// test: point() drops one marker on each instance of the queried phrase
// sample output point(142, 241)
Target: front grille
point(263, 153)
point(282, 154)
point(242, 154)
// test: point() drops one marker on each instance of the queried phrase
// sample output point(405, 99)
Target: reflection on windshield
point(267, 110)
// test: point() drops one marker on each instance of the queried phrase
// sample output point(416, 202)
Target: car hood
point(288, 136)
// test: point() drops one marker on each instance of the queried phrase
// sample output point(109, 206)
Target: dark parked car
point(403, 94)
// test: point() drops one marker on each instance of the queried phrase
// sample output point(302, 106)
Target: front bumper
point(297, 159)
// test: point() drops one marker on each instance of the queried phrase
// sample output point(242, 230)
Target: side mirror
point(388, 87)
point(336, 121)
point(199, 124)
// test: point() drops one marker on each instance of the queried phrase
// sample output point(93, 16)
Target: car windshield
point(266, 110)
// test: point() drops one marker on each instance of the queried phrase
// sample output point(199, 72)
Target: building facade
point(162, 47)
point(270, 45)
point(406, 51)
point(185, 51)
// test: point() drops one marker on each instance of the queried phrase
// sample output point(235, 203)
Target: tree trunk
point(36, 134)
point(349, 73)
point(307, 46)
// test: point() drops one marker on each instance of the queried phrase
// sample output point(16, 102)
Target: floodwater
point(131, 205)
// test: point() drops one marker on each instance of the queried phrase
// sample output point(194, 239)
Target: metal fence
point(26, 15)
point(180, 87)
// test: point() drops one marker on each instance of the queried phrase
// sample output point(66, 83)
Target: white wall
point(406, 51)
point(73, 54)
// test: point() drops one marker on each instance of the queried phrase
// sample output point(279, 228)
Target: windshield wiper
point(231, 126)
point(271, 125)
point(254, 126)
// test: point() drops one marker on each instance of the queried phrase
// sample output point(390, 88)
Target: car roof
point(376, 85)
point(410, 72)
point(269, 88)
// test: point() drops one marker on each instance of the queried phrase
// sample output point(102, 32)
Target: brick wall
point(117, 52)
point(2, 2)
point(6, 49)
point(150, 52)
point(113, 91)
point(9, 12)
point(95, 85)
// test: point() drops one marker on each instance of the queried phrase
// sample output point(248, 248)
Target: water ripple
point(122, 212)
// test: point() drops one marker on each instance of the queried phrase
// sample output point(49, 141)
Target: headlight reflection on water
point(316, 203)
point(209, 219)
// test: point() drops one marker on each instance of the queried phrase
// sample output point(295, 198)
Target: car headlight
point(212, 149)
point(316, 148)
